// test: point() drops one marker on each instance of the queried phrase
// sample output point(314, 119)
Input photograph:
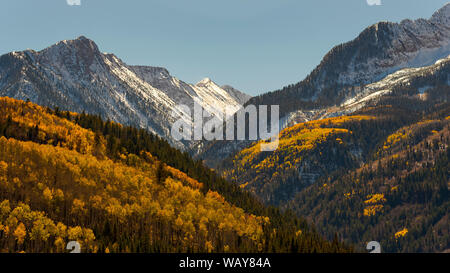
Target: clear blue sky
point(253, 45)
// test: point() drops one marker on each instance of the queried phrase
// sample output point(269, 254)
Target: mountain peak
point(82, 38)
point(82, 41)
point(205, 81)
point(79, 51)
point(442, 15)
point(81, 44)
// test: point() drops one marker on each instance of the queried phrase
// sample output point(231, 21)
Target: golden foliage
point(401, 233)
point(406, 132)
point(51, 129)
point(181, 176)
point(36, 227)
point(375, 198)
point(372, 210)
point(50, 176)
point(242, 186)
point(374, 201)
point(293, 143)
point(20, 233)
point(394, 138)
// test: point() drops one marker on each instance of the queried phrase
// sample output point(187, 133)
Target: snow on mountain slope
point(419, 83)
point(375, 91)
point(392, 46)
point(403, 77)
point(215, 97)
point(74, 75)
point(378, 51)
point(355, 74)
point(207, 93)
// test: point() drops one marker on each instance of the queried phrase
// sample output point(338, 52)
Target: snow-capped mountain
point(426, 84)
point(378, 51)
point(354, 74)
point(74, 75)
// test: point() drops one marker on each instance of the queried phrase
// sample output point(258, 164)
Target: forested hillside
point(120, 189)
point(307, 152)
point(381, 174)
point(399, 198)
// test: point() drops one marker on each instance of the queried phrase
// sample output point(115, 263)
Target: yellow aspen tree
point(20, 233)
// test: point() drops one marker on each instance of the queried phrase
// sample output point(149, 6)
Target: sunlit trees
point(118, 189)
point(125, 196)
point(398, 197)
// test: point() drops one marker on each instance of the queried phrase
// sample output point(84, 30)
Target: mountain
point(353, 73)
point(421, 84)
point(74, 75)
point(378, 51)
point(66, 176)
point(309, 150)
point(363, 155)
point(419, 80)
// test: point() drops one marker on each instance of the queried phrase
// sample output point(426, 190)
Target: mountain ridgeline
point(75, 76)
point(378, 51)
